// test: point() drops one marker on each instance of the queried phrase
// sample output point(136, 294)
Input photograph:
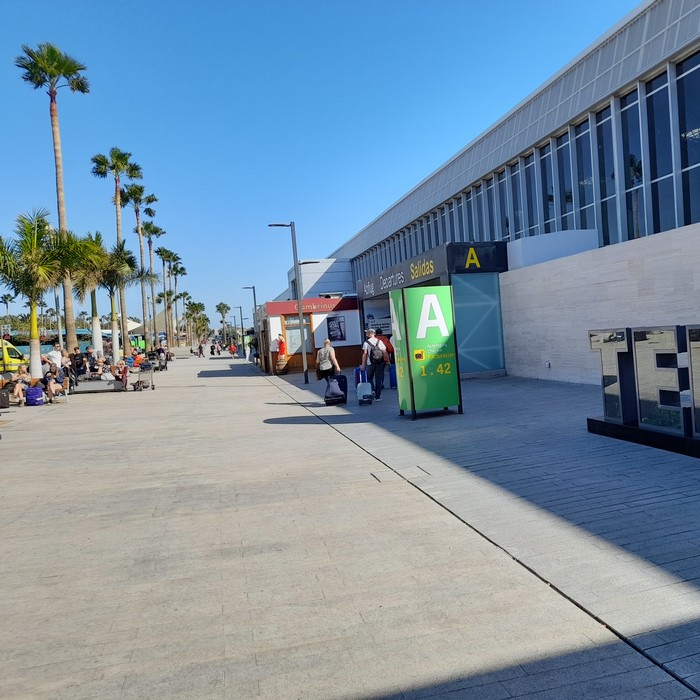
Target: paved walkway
point(229, 536)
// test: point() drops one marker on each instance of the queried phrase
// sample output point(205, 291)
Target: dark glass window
point(502, 205)
point(565, 181)
point(517, 201)
point(490, 204)
point(663, 205)
point(547, 188)
point(609, 214)
point(689, 117)
point(631, 146)
point(629, 99)
point(460, 220)
point(659, 121)
point(469, 217)
point(588, 217)
point(606, 163)
point(636, 227)
point(421, 238)
point(689, 63)
point(585, 169)
point(451, 220)
point(531, 195)
point(691, 195)
point(479, 211)
point(656, 82)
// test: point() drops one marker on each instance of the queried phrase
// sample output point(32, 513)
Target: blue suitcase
point(34, 396)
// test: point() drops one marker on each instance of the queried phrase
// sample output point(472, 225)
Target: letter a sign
point(427, 369)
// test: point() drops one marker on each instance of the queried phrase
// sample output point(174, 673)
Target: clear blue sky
point(324, 112)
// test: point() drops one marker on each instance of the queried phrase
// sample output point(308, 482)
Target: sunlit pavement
point(229, 536)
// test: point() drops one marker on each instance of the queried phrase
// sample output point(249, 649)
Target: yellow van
point(10, 357)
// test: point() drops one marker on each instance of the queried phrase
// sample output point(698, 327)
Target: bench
point(37, 382)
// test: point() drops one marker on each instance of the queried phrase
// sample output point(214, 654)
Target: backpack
point(35, 396)
point(376, 354)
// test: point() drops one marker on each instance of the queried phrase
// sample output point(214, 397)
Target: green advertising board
point(427, 370)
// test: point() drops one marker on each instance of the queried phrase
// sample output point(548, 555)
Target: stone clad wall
point(549, 308)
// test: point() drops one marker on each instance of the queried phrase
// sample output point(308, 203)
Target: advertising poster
point(428, 345)
point(336, 327)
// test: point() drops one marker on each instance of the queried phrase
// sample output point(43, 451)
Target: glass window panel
point(689, 117)
point(581, 128)
point(636, 227)
point(437, 233)
point(588, 217)
point(631, 146)
point(656, 82)
point(663, 205)
point(531, 195)
point(659, 121)
point(606, 162)
point(469, 218)
point(479, 211)
point(567, 222)
point(503, 224)
point(602, 115)
point(517, 201)
point(491, 211)
point(691, 195)
point(565, 182)
point(689, 63)
point(460, 220)
point(451, 220)
point(547, 187)
point(585, 169)
point(429, 233)
point(609, 223)
point(628, 99)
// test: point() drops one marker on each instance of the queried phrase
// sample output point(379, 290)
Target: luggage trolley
point(145, 377)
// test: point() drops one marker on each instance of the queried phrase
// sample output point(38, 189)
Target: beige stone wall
point(549, 308)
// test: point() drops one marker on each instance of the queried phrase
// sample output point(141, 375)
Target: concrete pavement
point(229, 536)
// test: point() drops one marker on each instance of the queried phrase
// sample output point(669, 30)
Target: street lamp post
point(255, 317)
point(300, 296)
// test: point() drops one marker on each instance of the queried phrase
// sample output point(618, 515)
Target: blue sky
point(324, 112)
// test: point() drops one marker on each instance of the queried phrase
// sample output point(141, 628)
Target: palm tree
point(167, 256)
point(151, 231)
point(116, 165)
point(87, 280)
point(121, 270)
point(34, 262)
point(223, 309)
point(47, 67)
point(178, 271)
point(7, 299)
point(133, 195)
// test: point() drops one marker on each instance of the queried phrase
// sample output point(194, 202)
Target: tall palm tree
point(178, 271)
point(167, 257)
point(121, 270)
point(48, 67)
point(133, 195)
point(35, 261)
point(151, 231)
point(7, 299)
point(87, 280)
point(223, 309)
point(117, 164)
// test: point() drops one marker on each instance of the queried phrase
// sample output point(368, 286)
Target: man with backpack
point(375, 359)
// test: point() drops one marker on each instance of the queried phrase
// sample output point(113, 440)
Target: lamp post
point(255, 315)
point(240, 345)
point(300, 296)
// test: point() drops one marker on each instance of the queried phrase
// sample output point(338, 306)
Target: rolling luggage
point(4, 398)
point(392, 376)
point(358, 374)
point(337, 390)
point(34, 396)
point(365, 395)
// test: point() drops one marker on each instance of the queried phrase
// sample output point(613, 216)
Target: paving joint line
point(520, 562)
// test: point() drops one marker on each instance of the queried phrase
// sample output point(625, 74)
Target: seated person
point(22, 380)
point(53, 382)
point(139, 358)
point(80, 365)
point(122, 372)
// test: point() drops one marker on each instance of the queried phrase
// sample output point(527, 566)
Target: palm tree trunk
point(96, 328)
point(69, 313)
point(177, 320)
point(115, 328)
point(153, 292)
point(122, 294)
point(144, 308)
point(166, 312)
point(34, 342)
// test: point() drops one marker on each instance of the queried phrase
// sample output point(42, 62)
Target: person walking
point(326, 362)
point(375, 359)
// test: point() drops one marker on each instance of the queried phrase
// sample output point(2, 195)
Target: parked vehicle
point(10, 357)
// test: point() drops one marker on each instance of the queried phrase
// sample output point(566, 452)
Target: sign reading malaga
point(427, 369)
point(651, 386)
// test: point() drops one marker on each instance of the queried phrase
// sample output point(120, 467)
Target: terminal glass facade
point(629, 168)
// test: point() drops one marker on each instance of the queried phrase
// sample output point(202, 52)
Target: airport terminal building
point(545, 225)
